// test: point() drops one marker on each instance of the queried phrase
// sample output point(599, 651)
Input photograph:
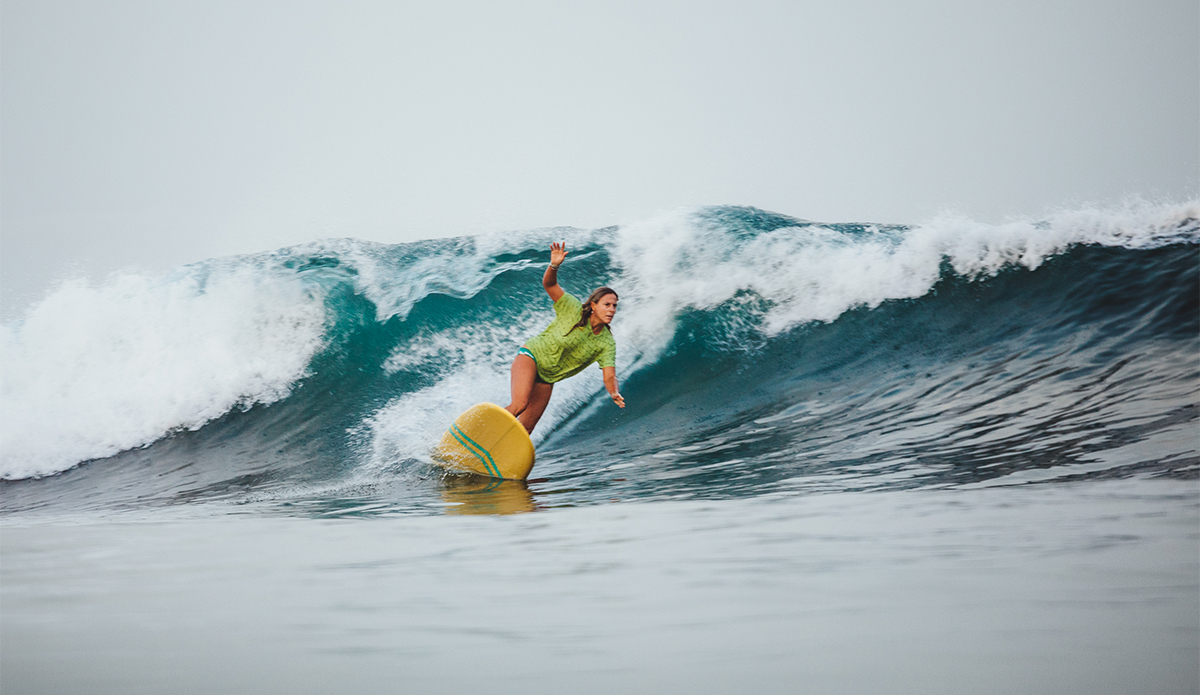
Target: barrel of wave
point(487, 440)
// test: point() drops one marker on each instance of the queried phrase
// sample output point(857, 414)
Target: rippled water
point(1068, 587)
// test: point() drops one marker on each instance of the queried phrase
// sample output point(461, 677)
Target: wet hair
point(595, 296)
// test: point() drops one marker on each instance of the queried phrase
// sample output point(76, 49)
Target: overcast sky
point(151, 134)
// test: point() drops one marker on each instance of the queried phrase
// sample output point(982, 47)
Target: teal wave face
point(758, 353)
point(1082, 368)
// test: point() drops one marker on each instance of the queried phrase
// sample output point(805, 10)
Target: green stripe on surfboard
point(472, 446)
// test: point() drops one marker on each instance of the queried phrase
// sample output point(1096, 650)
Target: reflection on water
point(473, 494)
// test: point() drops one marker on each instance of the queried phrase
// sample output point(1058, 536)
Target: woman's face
point(605, 308)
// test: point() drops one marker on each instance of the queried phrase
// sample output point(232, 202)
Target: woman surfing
point(577, 337)
point(494, 441)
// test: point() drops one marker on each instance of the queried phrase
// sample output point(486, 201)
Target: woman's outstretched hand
point(558, 252)
point(620, 401)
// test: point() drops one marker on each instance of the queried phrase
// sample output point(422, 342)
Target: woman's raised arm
point(558, 252)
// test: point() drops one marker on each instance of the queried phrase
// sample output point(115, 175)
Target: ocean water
point(950, 457)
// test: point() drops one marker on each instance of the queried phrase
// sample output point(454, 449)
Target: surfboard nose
point(488, 440)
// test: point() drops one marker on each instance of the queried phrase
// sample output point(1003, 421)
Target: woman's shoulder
point(568, 304)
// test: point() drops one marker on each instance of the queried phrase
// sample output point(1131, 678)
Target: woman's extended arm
point(558, 251)
point(610, 383)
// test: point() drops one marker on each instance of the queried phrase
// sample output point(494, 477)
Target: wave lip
point(805, 271)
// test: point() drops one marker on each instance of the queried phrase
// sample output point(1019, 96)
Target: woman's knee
point(518, 405)
point(539, 398)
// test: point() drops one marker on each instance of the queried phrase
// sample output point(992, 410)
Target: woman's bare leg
point(539, 398)
point(524, 371)
point(529, 396)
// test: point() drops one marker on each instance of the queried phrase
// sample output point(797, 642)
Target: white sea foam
point(94, 370)
point(680, 261)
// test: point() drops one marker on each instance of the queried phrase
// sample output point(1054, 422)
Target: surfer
point(577, 337)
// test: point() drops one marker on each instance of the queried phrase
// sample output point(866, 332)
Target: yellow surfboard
point(487, 440)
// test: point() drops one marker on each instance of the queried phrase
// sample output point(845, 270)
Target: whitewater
point(963, 453)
